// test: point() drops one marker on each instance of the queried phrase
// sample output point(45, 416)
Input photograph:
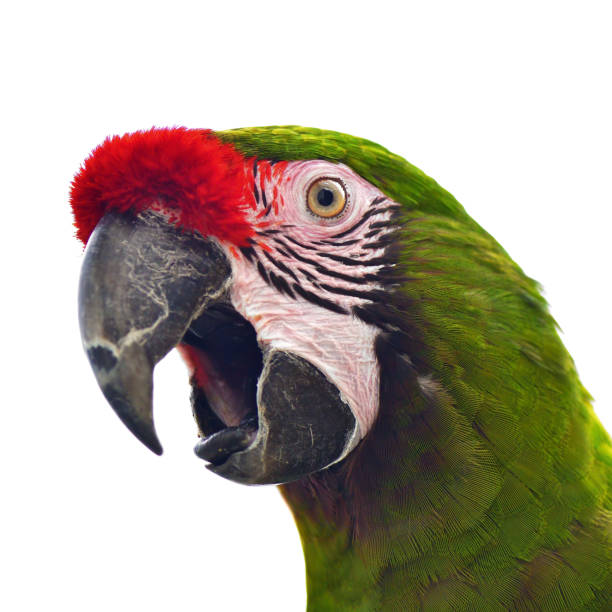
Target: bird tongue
point(219, 446)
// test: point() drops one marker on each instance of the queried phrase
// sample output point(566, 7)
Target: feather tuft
point(198, 180)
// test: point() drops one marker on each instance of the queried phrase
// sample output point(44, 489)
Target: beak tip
point(137, 417)
point(145, 432)
point(156, 448)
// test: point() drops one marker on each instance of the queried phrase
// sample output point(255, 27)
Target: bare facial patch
point(303, 275)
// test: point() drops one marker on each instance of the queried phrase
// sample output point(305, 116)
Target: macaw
point(355, 337)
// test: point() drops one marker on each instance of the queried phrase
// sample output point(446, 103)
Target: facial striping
point(325, 260)
point(302, 280)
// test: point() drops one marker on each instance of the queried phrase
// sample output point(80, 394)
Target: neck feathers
point(485, 467)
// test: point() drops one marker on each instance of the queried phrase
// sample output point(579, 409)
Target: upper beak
point(142, 282)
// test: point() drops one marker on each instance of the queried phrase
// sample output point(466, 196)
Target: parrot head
point(354, 335)
point(265, 267)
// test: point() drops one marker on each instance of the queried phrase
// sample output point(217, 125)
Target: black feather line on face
point(294, 254)
point(381, 243)
point(375, 295)
point(256, 193)
point(378, 200)
point(281, 284)
point(347, 277)
point(262, 272)
point(383, 224)
point(307, 274)
point(318, 300)
point(298, 243)
point(357, 225)
point(339, 244)
point(284, 253)
point(248, 252)
point(281, 266)
point(373, 232)
point(347, 261)
point(370, 213)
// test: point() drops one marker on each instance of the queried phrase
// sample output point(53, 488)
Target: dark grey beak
point(146, 286)
point(304, 426)
point(142, 282)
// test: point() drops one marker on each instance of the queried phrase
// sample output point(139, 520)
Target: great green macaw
point(354, 336)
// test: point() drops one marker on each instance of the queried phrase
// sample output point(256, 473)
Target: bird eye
point(326, 198)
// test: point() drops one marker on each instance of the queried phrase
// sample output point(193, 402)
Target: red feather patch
point(200, 180)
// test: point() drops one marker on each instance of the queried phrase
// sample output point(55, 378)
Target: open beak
point(267, 416)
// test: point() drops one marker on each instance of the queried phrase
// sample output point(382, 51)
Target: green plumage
point(486, 483)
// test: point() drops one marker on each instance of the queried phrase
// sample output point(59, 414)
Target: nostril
point(101, 357)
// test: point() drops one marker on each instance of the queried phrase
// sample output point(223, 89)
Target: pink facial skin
point(302, 250)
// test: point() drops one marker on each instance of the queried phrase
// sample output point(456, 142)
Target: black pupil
point(325, 197)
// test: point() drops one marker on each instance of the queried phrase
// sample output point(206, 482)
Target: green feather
point(486, 482)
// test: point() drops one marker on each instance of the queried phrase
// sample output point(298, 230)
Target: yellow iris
point(326, 198)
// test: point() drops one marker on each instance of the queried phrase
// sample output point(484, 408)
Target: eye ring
point(326, 198)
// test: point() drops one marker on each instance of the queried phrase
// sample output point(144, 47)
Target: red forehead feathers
point(202, 180)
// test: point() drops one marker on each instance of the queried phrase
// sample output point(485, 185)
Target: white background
point(508, 108)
